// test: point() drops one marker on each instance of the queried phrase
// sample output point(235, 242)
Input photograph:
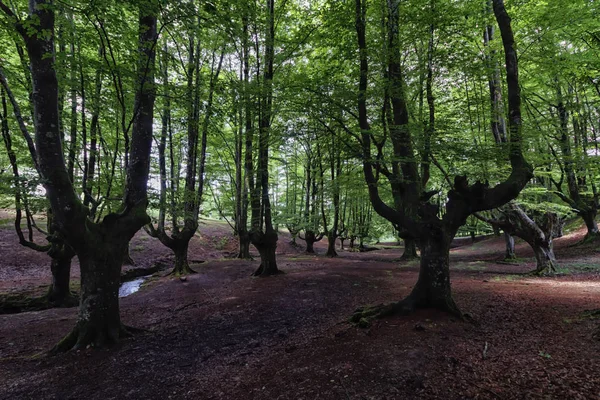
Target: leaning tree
point(433, 233)
point(101, 247)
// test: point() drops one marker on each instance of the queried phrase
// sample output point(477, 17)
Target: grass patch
point(506, 278)
point(470, 266)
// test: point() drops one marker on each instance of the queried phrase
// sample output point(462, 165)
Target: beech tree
point(100, 247)
point(195, 156)
point(262, 233)
point(434, 234)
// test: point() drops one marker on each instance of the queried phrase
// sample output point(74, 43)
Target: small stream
point(130, 287)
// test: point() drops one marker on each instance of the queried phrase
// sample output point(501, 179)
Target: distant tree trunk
point(510, 247)
point(331, 244)
point(586, 205)
point(244, 245)
point(59, 292)
point(515, 222)
point(310, 238)
point(589, 218)
point(410, 250)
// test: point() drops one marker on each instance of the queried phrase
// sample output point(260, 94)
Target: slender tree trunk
point(510, 247)
point(331, 245)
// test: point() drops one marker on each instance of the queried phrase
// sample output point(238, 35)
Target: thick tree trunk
point(266, 244)
point(59, 292)
point(182, 266)
point(244, 245)
point(432, 289)
point(310, 239)
point(410, 250)
point(331, 245)
point(544, 257)
point(99, 321)
point(510, 247)
point(590, 222)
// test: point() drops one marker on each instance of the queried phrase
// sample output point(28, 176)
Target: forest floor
point(221, 334)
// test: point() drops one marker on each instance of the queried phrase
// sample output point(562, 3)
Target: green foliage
point(314, 90)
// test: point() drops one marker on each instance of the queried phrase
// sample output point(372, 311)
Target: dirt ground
point(224, 335)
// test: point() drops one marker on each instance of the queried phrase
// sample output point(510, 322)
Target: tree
point(195, 159)
point(100, 247)
point(433, 234)
point(262, 233)
point(539, 235)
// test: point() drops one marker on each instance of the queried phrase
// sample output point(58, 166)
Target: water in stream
point(131, 287)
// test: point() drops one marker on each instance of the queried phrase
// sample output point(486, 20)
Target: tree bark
point(544, 257)
point(510, 247)
point(410, 250)
point(310, 238)
point(244, 245)
point(182, 266)
point(99, 322)
point(331, 245)
point(59, 292)
point(266, 244)
point(589, 218)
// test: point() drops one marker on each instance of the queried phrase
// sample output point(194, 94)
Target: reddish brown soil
point(224, 335)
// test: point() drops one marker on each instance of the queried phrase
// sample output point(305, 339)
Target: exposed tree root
point(176, 272)
point(261, 273)
point(547, 270)
point(364, 316)
point(83, 337)
point(593, 238)
point(408, 257)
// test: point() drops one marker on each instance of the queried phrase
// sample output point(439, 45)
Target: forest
point(299, 199)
